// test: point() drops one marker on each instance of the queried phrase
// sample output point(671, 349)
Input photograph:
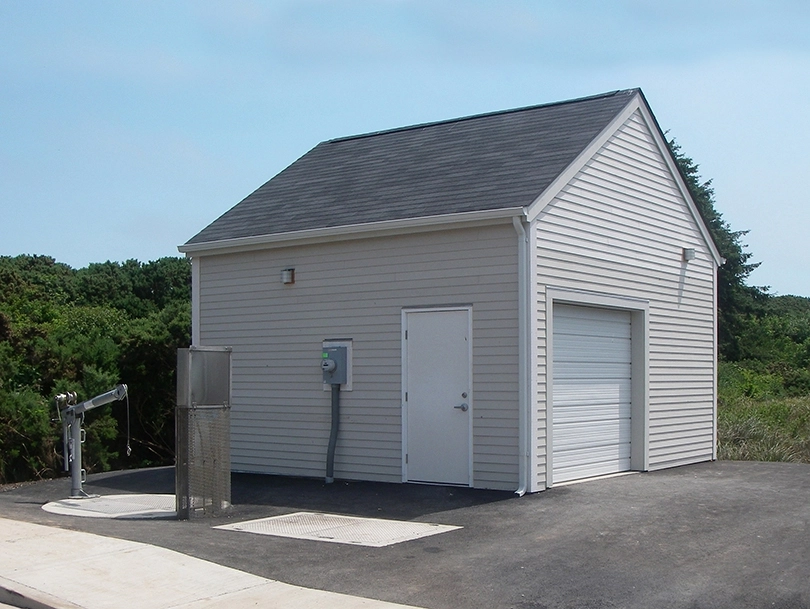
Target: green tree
point(164, 281)
point(149, 363)
point(737, 302)
point(86, 331)
point(27, 436)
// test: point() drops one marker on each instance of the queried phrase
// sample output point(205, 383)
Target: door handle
point(462, 407)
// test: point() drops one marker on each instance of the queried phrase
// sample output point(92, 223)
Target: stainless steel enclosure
point(202, 431)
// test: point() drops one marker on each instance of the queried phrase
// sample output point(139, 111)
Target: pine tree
point(736, 300)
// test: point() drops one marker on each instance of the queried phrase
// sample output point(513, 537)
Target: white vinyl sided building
point(528, 297)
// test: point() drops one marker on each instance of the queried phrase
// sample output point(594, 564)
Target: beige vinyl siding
point(357, 289)
point(618, 228)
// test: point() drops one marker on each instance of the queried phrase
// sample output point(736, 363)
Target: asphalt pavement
point(714, 535)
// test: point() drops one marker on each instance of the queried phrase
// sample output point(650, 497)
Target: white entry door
point(592, 401)
point(437, 396)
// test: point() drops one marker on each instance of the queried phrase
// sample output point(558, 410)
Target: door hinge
point(406, 335)
point(406, 458)
point(406, 396)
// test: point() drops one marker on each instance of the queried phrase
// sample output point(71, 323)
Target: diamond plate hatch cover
point(372, 532)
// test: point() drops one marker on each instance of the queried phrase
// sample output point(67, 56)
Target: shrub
point(86, 331)
point(26, 437)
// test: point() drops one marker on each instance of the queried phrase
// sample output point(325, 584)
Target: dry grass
point(765, 429)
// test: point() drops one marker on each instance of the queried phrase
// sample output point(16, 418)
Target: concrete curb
point(51, 568)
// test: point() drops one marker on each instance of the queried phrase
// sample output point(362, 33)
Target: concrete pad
point(63, 569)
point(116, 506)
point(23, 597)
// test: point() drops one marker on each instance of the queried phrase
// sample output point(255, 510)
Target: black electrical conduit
point(333, 434)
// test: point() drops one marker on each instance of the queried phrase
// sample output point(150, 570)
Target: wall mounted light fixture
point(288, 276)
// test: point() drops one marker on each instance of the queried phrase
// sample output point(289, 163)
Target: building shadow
point(286, 493)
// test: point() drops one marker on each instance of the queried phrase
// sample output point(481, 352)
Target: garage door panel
point(604, 457)
point(609, 323)
point(586, 434)
point(597, 349)
point(590, 466)
point(589, 374)
point(592, 392)
point(575, 390)
point(594, 411)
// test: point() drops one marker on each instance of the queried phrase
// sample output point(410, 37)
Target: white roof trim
point(351, 231)
point(562, 180)
point(635, 104)
point(663, 148)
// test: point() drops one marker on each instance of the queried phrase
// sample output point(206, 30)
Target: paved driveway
point(725, 534)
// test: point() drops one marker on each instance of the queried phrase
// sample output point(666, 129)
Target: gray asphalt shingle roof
point(485, 162)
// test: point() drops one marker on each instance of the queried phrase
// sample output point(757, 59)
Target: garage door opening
point(594, 394)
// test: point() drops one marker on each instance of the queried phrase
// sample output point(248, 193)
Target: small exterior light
point(288, 276)
point(688, 254)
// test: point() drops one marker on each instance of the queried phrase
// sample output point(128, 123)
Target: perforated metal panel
point(203, 432)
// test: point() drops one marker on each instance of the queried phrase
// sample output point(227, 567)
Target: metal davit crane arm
point(119, 393)
point(73, 434)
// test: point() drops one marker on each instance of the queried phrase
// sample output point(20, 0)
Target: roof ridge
point(482, 115)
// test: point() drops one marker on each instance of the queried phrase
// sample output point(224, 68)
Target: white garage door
point(591, 392)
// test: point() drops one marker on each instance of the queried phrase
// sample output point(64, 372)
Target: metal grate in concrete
point(372, 532)
point(116, 506)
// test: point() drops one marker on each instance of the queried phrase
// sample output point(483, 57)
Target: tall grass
point(757, 422)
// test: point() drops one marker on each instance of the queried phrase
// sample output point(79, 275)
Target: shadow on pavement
point(159, 480)
point(369, 499)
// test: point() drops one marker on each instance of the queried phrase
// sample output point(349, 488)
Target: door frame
point(404, 383)
point(640, 352)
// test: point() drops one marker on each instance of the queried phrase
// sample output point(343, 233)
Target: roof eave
point(352, 231)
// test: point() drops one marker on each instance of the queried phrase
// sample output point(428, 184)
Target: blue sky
point(128, 126)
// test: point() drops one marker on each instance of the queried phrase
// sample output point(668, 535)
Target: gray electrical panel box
point(334, 364)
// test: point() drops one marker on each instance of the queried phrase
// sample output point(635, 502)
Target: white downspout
point(195, 301)
point(524, 424)
point(716, 354)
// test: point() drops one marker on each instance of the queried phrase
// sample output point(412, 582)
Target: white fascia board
point(352, 231)
point(548, 195)
point(663, 148)
point(635, 104)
